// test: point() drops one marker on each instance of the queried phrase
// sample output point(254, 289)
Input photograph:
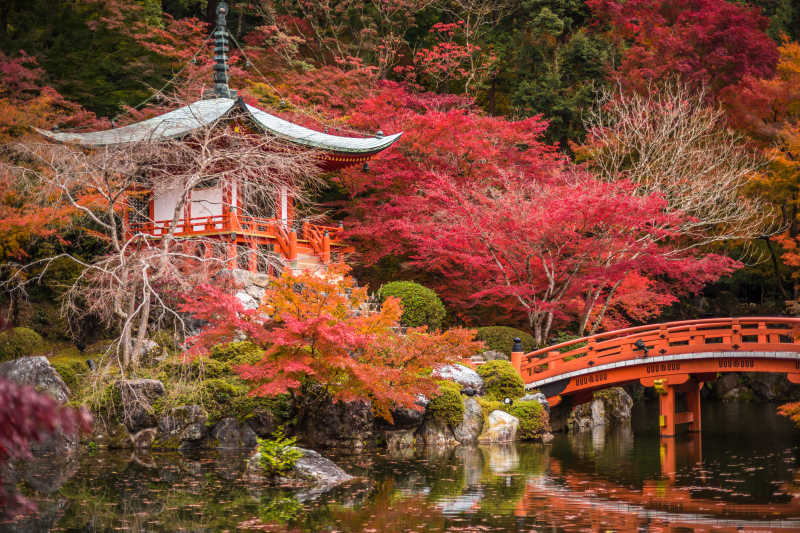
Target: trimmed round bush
point(447, 405)
point(501, 338)
point(421, 306)
point(501, 380)
point(19, 342)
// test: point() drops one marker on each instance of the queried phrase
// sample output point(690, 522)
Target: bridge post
point(666, 410)
point(516, 355)
point(693, 406)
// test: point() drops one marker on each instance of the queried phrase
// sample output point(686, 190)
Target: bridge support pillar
point(693, 406)
point(666, 411)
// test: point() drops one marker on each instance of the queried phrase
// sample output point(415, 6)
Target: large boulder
point(400, 443)
point(500, 427)
point(137, 397)
point(471, 382)
point(470, 428)
point(436, 433)
point(311, 469)
point(494, 355)
point(36, 372)
point(328, 424)
point(610, 407)
point(183, 426)
point(229, 433)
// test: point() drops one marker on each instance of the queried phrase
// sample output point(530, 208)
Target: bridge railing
point(690, 336)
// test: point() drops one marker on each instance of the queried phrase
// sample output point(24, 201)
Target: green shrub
point(19, 342)
point(501, 338)
point(278, 454)
point(447, 406)
point(501, 380)
point(531, 418)
point(531, 415)
point(421, 306)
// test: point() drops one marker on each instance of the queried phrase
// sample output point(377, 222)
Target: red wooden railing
point(691, 336)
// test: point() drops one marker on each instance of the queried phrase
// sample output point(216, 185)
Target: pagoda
point(216, 213)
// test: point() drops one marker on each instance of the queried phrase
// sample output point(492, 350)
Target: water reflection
point(625, 480)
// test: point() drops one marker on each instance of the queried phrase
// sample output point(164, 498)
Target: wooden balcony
point(315, 238)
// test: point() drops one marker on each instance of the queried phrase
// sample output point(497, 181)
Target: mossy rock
point(237, 353)
point(447, 406)
point(19, 342)
point(421, 306)
point(71, 369)
point(501, 380)
point(501, 338)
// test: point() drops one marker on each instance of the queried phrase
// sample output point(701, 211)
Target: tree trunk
point(776, 268)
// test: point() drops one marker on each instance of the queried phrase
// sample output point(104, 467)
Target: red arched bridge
point(675, 357)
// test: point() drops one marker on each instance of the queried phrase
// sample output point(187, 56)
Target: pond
point(742, 474)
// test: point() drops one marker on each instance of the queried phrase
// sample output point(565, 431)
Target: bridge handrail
point(619, 345)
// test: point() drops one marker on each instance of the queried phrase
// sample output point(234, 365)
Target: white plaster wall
point(164, 201)
point(207, 202)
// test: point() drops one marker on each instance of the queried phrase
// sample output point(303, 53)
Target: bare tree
point(669, 141)
point(136, 286)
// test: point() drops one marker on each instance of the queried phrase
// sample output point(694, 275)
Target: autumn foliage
point(320, 328)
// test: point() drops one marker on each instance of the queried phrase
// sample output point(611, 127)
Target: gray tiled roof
point(204, 112)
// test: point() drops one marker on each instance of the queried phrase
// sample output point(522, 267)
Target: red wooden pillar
point(326, 248)
point(516, 355)
point(693, 406)
point(292, 245)
point(666, 410)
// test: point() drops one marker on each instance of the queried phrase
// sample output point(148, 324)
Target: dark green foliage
point(531, 417)
point(501, 338)
point(447, 406)
point(278, 454)
point(19, 342)
point(421, 306)
point(501, 380)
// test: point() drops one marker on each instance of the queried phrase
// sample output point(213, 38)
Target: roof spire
point(221, 54)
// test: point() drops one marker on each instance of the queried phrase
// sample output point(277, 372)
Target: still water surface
point(742, 475)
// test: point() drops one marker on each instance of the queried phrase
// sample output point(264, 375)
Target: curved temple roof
point(205, 112)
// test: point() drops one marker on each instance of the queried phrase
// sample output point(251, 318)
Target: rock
point(436, 433)
point(37, 373)
point(311, 468)
point(610, 407)
point(494, 355)
point(468, 430)
point(539, 397)
point(263, 422)
point(407, 418)
point(137, 396)
point(725, 383)
point(185, 424)
point(471, 382)
point(739, 394)
point(229, 433)
point(248, 302)
point(147, 347)
point(500, 427)
point(319, 470)
point(327, 424)
point(547, 437)
point(256, 292)
point(143, 438)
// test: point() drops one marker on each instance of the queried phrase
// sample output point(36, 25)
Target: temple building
point(217, 212)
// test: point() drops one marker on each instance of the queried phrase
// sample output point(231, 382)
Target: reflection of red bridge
point(593, 504)
point(676, 357)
